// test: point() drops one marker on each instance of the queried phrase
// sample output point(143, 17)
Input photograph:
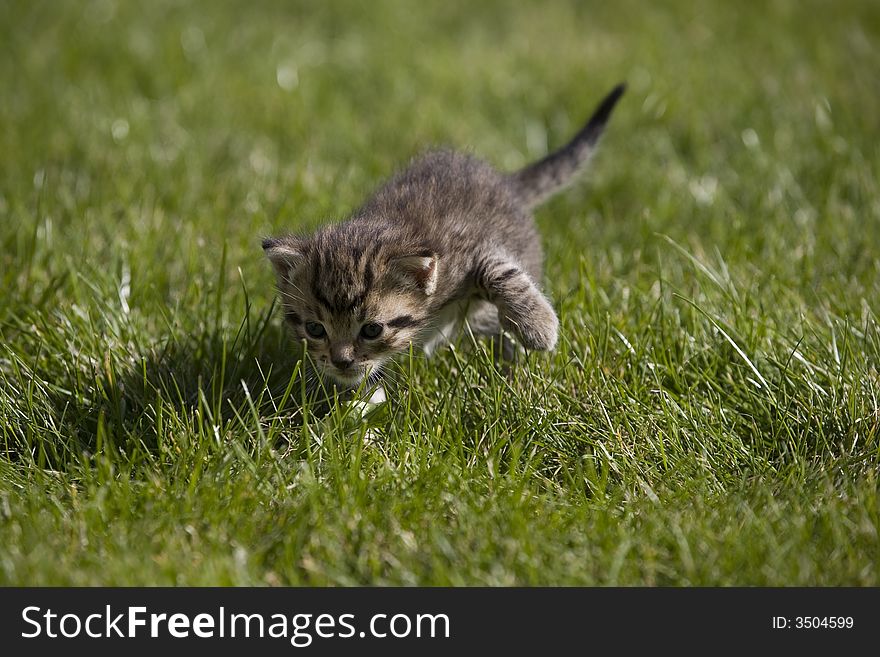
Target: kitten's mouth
point(350, 378)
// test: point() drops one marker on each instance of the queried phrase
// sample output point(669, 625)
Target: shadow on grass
point(186, 385)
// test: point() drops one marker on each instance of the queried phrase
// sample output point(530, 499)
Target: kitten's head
point(355, 303)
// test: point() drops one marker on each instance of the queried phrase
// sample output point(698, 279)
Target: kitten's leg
point(522, 308)
point(482, 319)
point(378, 395)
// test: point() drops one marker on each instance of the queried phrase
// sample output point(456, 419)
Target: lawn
point(710, 417)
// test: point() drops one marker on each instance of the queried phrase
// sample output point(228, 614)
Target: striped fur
point(447, 240)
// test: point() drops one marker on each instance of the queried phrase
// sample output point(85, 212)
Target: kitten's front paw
point(539, 330)
point(541, 338)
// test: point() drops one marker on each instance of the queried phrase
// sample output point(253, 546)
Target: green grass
point(711, 416)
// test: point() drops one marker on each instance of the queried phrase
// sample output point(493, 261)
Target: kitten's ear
point(416, 270)
point(285, 254)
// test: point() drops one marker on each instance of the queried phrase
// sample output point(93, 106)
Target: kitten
point(448, 240)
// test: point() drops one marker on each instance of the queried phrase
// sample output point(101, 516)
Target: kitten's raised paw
point(540, 338)
point(538, 331)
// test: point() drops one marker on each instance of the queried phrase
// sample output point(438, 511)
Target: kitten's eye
point(371, 331)
point(315, 330)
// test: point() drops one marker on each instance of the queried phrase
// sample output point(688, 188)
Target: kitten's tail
point(540, 180)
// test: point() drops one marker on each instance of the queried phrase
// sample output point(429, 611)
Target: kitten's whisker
point(288, 296)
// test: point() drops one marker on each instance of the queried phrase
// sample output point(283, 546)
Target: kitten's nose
point(342, 363)
point(342, 356)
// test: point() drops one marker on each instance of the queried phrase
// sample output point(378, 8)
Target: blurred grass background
point(711, 416)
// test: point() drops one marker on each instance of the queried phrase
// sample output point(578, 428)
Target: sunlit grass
point(710, 417)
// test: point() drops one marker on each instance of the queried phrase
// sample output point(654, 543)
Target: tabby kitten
point(449, 240)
